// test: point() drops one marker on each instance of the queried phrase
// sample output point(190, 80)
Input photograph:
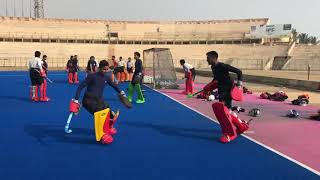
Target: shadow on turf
point(63, 82)
point(204, 134)
point(178, 91)
point(25, 99)
point(44, 132)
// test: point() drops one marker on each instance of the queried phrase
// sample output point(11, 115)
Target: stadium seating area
point(60, 38)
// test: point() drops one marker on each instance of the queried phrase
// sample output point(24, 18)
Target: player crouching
point(93, 102)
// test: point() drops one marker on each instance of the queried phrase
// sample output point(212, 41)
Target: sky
point(303, 15)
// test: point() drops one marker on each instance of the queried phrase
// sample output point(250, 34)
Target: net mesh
point(158, 64)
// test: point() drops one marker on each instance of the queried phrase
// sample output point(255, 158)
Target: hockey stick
point(248, 122)
point(50, 81)
point(45, 77)
point(124, 100)
point(67, 128)
point(191, 95)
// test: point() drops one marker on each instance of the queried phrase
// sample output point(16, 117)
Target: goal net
point(159, 68)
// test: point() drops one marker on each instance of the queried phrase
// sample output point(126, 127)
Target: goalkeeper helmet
point(255, 112)
point(293, 114)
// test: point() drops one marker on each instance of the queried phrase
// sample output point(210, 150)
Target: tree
point(304, 38)
point(313, 40)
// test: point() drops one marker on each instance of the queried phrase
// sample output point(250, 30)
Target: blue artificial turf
point(158, 140)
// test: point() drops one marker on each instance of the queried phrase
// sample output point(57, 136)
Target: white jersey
point(187, 67)
point(121, 63)
point(96, 63)
point(129, 64)
point(35, 63)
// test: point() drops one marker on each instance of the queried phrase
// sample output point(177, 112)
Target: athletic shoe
point(139, 101)
point(226, 138)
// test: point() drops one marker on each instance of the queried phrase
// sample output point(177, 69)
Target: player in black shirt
point(221, 74)
point(136, 80)
point(226, 117)
point(92, 65)
point(72, 69)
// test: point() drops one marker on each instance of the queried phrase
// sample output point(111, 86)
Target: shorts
point(93, 103)
point(35, 77)
point(130, 70)
point(225, 96)
point(121, 69)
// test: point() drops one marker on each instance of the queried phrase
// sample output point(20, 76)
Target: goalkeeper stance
point(94, 103)
point(222, 109)
point(136, 79)
point(189, 74)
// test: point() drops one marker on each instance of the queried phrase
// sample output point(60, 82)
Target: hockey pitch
point(158, 140)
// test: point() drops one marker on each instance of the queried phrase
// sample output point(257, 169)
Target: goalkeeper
point(222, 78)
point(222, 109)
point(189, 74)
point(94, 103)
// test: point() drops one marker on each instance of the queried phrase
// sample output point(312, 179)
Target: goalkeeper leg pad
point(189, 86)
point(225, 120)
point(241, 126)
point(102, 126)
point(75, 77)
point(43, 92)
point(70, 78)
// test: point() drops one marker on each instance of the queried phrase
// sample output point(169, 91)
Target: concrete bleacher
point(28, 27)
point(185, 37)
point(302, 56)
point(127, 30)
point(242, 56)
point(58, 53)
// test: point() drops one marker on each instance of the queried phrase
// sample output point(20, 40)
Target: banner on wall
point(271, 31)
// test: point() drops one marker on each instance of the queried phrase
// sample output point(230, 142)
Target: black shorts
point(121, 69)
point(93, 103)
point(35, 77)
point(73, 71)
point(137, 79)
point(130, 70)
point(116, 70)
point(225, 96)
point(88, 69)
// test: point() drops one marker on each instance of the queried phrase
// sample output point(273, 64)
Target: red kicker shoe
point(227, 138)
point(106, 139)
point(113, 131)
point(244, 127)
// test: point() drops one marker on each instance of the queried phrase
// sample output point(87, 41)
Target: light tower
point(38, 9)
